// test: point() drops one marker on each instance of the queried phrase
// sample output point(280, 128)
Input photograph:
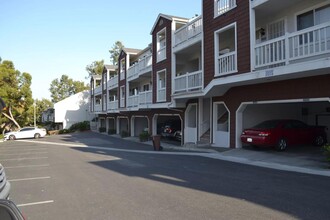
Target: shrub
point(64, 131)
point(111, 131)
point(102, 129)
point(80, 126)
point(144, 136)
point(326, 151)
point(124, 134)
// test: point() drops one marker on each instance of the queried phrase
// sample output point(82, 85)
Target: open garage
point(171, 121)
point(310, 111)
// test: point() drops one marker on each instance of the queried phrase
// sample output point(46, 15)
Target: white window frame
point(158, 84)
point(217, 48)
point(159, 47)
point(218, 13)
point(313, 8)
point(122, 96)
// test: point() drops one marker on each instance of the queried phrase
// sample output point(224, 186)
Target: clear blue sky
point(51, 38)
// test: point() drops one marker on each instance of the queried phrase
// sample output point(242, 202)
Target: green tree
point(114, 52)
point(16, 92)
point(65, 87)
point(42, 105)
point(96, 68)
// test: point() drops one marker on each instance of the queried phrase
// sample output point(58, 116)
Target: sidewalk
point(287, 161)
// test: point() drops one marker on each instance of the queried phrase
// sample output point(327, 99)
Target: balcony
point(227, 63)
point(98, 90)
point(139, 68)
point(161, 95)
point(132, 101)
point(112, 105)
point(300, 46)
point(161, 54)
point(145, 97)
point(113, 82)
point(122, 75)
point(189, 33)
point(97, 107)
point(189, 82)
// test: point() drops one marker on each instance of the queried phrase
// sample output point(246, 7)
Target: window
point(161, 86)
point(225, 50)
point(222, 6)
point(145, 87)
point(161, 45)
point(275, 29)
point(313, 17)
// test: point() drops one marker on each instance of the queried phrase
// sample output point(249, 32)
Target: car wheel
point(281, 144)
point(319, 140)
point(12, 137)
point(37, 135)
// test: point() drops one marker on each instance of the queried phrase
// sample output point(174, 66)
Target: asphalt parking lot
point(27, 169)
point(48, 175)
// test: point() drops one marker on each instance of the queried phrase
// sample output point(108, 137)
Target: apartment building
point(239, 63)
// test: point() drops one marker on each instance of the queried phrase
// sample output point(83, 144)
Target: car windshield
point(268, 124)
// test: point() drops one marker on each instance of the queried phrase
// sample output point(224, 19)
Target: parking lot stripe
point(25, 158)
point(34, 178)
point(21, 149)
point(41, 165)
point(35, 203)
point(24, 153)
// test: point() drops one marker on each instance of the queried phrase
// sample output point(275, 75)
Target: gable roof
point(168, 17)
point(131, 50)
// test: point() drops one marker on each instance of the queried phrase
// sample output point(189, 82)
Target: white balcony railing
point(113, 82)
point(97, 108)
point(161, 95)
point(112, 105)
point(222, 6)
point(145, 97)
point(97, 90)
point(122, 103)
point(309, 42)
point(227, 63)
point(122, 75)
point(133, 101)
point(189, 81)
point(133, 70)
point(161, 54)
point(188, 31)
point(306, 43)
point(145, 62)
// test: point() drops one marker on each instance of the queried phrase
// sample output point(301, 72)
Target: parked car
point(26, 132)
point(172, 129)
point(281, 133)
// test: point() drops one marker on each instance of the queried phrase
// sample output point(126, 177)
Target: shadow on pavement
point(286, 192)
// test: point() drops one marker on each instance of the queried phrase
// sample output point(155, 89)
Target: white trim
point(214, 105)
point(216, 49)
point(157, 84)
point(158, 46)
point(195, 137)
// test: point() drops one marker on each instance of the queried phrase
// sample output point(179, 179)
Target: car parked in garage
point(26, 132)
point(172, 129)
point(283, 133)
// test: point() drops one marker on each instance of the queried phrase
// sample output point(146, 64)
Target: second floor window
point(313, 17)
